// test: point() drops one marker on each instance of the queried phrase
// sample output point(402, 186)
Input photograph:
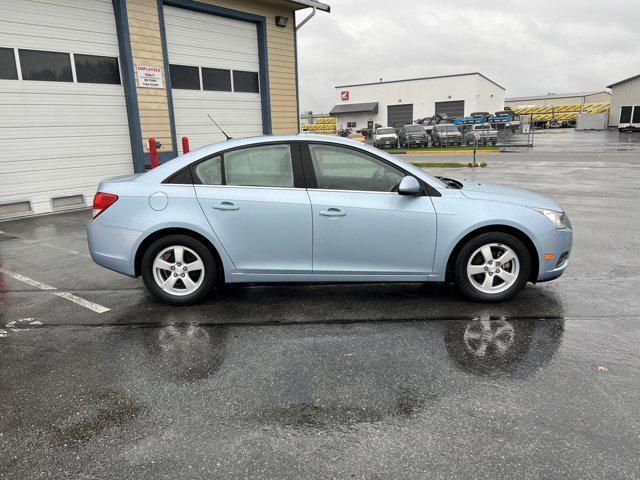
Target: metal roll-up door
point(398, 115)
point(64, 124)
point(452, 109)
point(214, 65)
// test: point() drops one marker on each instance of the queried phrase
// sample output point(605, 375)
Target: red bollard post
point(185, 145)
point(153, 153)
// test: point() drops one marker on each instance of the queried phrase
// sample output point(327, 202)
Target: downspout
point(295, 38)
point(307, 18)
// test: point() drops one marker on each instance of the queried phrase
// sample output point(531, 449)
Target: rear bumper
point(557, 242)
point(113, 247)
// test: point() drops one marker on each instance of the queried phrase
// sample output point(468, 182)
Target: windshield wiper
point(451, 183)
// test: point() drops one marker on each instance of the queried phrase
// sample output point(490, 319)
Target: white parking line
point(81, 301)
point(66, 295)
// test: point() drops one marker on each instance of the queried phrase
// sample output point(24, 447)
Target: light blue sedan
point(320, 209)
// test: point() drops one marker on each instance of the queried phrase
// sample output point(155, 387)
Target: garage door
point(398, 115)
point(214, 65)
point(64, 123)
point(453, 109)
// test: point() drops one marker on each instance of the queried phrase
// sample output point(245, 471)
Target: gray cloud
point(528, 47)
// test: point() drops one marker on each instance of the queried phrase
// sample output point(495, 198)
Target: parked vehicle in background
point(484, 133)
point(446, 135)
point(316, 208)
point(429, 122)
point(385, 137)
point(367, 132)
point(411, 136)
point(357, 136)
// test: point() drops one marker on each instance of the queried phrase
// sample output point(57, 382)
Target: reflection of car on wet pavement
point(495, 346)
point(317, 209)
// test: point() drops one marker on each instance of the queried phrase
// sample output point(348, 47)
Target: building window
point(96, 69)
point(216, 79)
point(245, 82)
point(8, 70)
point(351, 124)
point(625, 114)
point(45, 66)
point(184, 77)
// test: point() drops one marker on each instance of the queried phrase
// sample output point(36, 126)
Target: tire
point(165, 250)
point(492, 282)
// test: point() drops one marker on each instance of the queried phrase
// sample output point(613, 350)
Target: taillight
point(102, 201)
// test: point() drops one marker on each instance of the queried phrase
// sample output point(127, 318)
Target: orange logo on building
point(344, 96)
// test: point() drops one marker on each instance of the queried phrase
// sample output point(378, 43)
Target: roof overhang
point(311, 4)
point(623, 81)
point(367, 107)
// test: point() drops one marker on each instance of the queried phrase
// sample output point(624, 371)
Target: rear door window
point(636, 114)
point(261, 166)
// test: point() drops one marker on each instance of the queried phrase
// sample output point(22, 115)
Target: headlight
point(557, 218)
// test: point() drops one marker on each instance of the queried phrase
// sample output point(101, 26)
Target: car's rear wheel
point(492, 267)
point(179, 270)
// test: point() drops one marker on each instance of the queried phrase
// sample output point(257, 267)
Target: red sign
point(344, 95)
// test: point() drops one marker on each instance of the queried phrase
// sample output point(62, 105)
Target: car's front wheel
point(179, 270)
point(492, 267)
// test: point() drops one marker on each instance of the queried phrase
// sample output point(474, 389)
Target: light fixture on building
point(281, 21)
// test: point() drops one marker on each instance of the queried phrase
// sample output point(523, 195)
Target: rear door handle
point(332, 212)
point(225, 206)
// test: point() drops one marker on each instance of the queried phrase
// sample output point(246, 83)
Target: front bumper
point(417, 142)
point(558, 242)
point(113, 247)
point(387, 142)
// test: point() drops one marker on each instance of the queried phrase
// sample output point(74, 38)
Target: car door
point(361, 225)
point(255, 201)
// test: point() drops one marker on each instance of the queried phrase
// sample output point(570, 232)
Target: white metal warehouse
point(400, 102)
point(625, 102)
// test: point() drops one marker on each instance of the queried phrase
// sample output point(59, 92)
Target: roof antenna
point(223, 132)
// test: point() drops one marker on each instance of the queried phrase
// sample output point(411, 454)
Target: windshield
point(483, 127)
point(382, 131)
point(447, 128)
point(414, 129)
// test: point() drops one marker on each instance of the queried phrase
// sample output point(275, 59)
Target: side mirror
point(409, 186)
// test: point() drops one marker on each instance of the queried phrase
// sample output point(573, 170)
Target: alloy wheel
point(493, 268)
point(178, 270)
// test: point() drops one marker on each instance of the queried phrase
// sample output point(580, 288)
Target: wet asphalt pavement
point(346, 381)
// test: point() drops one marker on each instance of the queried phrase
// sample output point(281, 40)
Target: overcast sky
point(527, 47)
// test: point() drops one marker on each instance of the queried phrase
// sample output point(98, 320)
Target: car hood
point(499, 193)
point(450, 134)
point(386, 135)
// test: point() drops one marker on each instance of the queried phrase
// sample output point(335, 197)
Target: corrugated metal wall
point(627, 93)
point(60, 138)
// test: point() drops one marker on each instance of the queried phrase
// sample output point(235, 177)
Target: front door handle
point(225, 206)
point(332, 212)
